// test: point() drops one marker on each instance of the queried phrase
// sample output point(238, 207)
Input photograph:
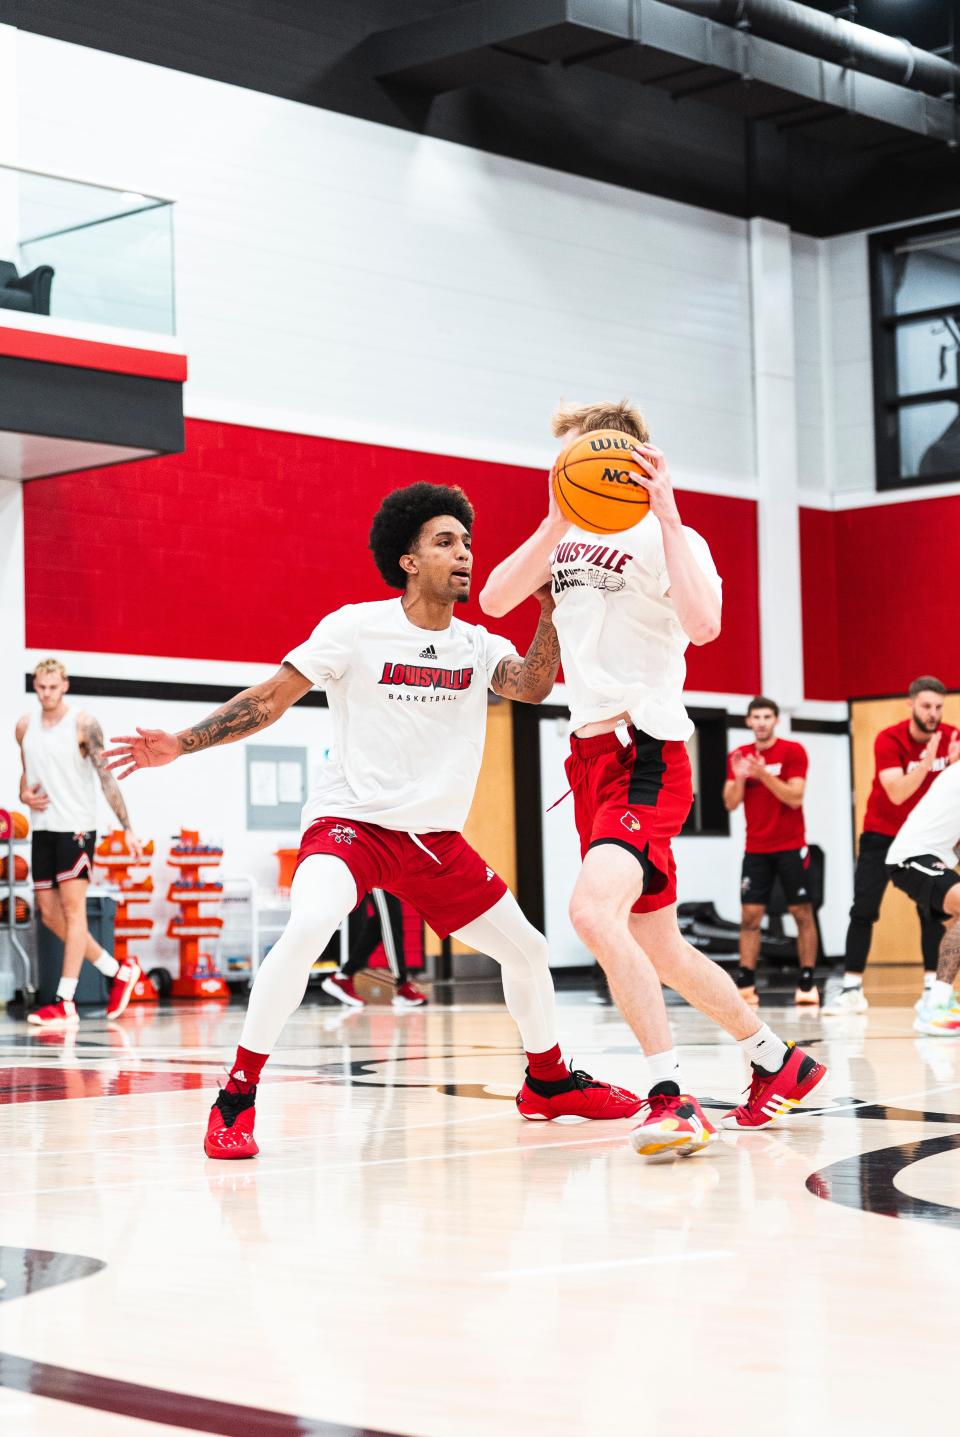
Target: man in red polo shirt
point(768, 777)
point(908, 756)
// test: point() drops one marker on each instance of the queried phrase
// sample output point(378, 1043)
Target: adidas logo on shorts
point(428, 653)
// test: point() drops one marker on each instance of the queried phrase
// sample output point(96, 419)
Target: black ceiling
point(700, 133)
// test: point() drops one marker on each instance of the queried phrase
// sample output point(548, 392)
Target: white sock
point(929, 979)
point(852, 980)
point(765, 1049)
point(940, 993)
point(663, 1068)
point(66, 989)
point(106, 964)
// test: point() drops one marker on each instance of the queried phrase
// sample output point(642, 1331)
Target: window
point(915, 277)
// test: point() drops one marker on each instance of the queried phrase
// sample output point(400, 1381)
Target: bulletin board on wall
point(896, 937)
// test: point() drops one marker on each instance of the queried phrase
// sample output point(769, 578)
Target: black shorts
point(791, 866)
point(926, 880)
point(58, 857)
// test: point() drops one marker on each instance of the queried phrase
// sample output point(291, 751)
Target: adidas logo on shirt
point(428, 653)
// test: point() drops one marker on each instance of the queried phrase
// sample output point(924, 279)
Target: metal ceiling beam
point(494, 40)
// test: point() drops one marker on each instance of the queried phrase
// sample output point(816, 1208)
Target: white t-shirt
point(409, 710)
point(934, 825)
point(620, 639)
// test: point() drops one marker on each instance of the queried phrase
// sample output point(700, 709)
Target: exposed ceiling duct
point(888, 57)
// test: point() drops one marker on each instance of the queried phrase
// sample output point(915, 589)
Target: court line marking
point(574, 1267)
point(264, 1174)
point(175, 1147)
point(269, 1173)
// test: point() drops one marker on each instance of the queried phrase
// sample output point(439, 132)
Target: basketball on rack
point(20, 869)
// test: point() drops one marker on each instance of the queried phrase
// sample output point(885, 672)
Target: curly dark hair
point(400, 518)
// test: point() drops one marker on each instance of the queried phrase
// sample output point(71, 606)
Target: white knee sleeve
point(322, 895)
point(522, 953)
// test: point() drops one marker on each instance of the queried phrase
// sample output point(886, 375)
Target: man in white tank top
point(61, 750)
point(622, 648)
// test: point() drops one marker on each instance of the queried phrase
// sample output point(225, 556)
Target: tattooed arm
point(90, 735)
point(530, 679)
point(256, 708)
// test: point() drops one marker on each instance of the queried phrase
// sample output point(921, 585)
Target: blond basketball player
point(407, 684)
point(622, 646)
point(61, 751)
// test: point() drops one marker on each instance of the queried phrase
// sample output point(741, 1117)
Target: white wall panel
point(358, 281)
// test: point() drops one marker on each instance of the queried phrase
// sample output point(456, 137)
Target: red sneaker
point(773, 1094)
point(230, 1126)
point(342, 988)
point(55, 1015)
point(408, 995)
point(126, 979)
point(674, 1125)
point(576, 1099)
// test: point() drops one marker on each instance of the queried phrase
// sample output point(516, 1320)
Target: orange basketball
point(21, 910)
point(599, 485)
point(20, 825)
point(20, 869)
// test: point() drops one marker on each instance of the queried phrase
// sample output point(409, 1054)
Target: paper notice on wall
point(263, 784)
point(290, 783)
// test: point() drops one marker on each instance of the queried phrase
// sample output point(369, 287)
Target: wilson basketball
point(598, 483)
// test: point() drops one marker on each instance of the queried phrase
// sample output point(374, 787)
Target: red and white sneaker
point(576, 1099)
point(55, 1015)
point(342, 988)
point(772, 1094)
point(230, 1126)
point(674, 1125)
point(125, 980)
point(408, 995)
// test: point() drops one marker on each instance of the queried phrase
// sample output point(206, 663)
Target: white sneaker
point(847, 1001)
point(943, 1022)
point(923, 1002)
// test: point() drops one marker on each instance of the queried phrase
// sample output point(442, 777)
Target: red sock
point(245, 1073)
point(549, 1067)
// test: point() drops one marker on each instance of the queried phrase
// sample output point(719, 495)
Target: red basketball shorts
point(637, 798)
point(439, 874)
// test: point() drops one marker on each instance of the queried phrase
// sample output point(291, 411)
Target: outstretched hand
point(148, 748)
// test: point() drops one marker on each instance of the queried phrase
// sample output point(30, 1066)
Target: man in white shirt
point(920, 862)
point(407, 687)
point(622, 647)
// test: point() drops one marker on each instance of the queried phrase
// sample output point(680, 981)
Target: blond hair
point(50, 666)
point(623, 416)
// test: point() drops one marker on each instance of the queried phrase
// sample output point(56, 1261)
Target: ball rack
point(12, 903)
point(113, 853)
point(199, 976)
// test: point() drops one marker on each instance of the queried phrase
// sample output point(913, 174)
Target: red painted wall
point(879, 598)
point(235, 548)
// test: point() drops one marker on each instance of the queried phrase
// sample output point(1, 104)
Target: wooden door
point(490, 827)
point(896, 938)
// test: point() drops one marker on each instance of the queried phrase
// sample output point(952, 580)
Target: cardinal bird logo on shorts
point(342, 833)
point(631, 821)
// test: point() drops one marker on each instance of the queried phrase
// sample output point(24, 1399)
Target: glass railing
point(85, 252)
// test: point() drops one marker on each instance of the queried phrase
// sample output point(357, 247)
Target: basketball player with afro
point(407, 686)
point(625, 613)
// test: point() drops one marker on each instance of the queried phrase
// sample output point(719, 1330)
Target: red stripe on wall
point(878, 600)
point(91, 354)
point(235, 548)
